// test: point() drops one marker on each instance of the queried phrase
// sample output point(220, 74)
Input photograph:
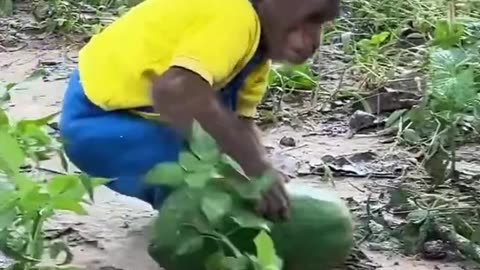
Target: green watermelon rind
point(318, 235)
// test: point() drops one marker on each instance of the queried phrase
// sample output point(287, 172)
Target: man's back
point(213, 38)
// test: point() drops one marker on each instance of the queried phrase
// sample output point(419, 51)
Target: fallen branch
point(448, 234)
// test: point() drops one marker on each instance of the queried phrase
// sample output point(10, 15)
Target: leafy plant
point(6, 8)
point(225, 189)
point(450, 109)
point(27, 201)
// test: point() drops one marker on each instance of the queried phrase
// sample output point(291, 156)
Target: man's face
point(291, 29)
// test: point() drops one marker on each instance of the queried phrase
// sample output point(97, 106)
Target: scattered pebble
point(288, 141)
point(360, 120)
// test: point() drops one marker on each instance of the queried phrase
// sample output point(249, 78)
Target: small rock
point(288, 141)
point(434, 250)
point(361, 120)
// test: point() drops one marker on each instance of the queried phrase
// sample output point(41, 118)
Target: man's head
point(291, 28)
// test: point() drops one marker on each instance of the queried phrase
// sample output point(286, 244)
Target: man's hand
point(275, 204)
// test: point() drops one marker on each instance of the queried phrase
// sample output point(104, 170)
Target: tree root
point(448, 234)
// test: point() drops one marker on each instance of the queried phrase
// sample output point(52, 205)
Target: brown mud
point(113, 235)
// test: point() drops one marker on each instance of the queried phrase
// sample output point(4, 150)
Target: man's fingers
point(277, 203)
point(282, 201)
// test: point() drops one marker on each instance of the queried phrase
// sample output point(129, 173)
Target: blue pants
point(116, 144)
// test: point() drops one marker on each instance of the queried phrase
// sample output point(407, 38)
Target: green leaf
point(227, 160)
point(235, 263)
point(214, 261)
point(90, 183)
point(415, 235)
point(476, 236)
point(191, 163)
point(411, 136)
point(436, 165)
point(266, 254)
point(169, 174)
point(395, 117)
point(398, 197)
point(62, 183)
point(34, 200)
point(39, 122)
point(216, 205)
point(189, 244)
point(24, 184)
point(247, 219)
point(7, 217)
point(247, 190)
point(378, 39)
point(68, 204)
point(6, 8)
point(448, 34)
point(418, 216)
point(203, 145)
point(4, 120)
point(199, 179)
point(37, 74)
point(11, 155)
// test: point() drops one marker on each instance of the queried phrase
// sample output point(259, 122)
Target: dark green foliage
point(209, 222)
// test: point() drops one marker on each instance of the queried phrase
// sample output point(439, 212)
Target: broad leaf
point(414, 236)
point(191, 163)
point(169, 174)
point(203, 145)
point(199, 179)
point(448, 34)
point(62, 183)
point(215, 205)
point(34, 200)
point(394, 117)
point(37, 122)
point(247, 219)
point(436, 165)
point(476, 236)
point(417, 216)
point(266, 254)
point(90, 183)
point(214, 261)
point(6, 8)
point(228, 161)
point(7, 217)
point(68, 204)
point(37, 74)
point(4, 120)
point(189, 244)
point(411, 136)
point(11, 155)
point(235, 263)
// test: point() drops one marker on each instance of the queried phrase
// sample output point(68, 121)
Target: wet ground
point(112, 236)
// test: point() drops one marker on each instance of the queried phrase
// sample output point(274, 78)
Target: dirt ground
point(113, 235)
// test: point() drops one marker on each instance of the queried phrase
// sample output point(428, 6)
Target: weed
point(27, 201)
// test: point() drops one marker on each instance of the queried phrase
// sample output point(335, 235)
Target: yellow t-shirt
point(213, 38)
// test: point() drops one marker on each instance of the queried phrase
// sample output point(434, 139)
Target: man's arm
point(181, 96)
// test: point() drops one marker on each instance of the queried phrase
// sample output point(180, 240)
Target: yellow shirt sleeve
point(218, 45)
point(254, 89)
